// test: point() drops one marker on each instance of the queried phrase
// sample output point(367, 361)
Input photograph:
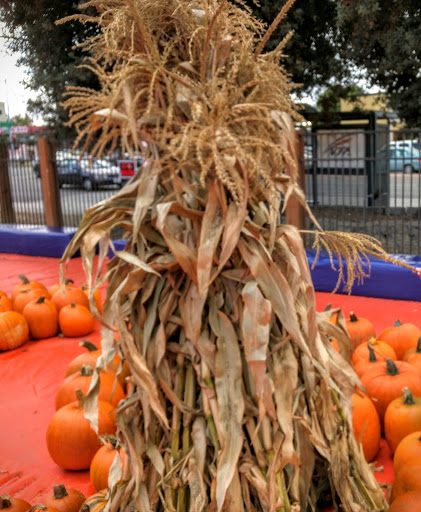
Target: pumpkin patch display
point(9, 504)
point(366, 425)
point(42, 318)
point(75, 320)
point(402, 417)
point(401, 337)
point(14, 330)
point(408, 451)
point(97, 502)
point(71, 441)
point(70, 295)
point(65, 500)
point(26, 284)
point(102, 462)
point(360, 330)
point(385, 380)
point(110, 389)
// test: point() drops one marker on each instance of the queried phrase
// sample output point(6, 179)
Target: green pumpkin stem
point(90, 347)
point(391, 368)
point(328, 307)
point(60, 492)
point(86, 370)
point(418, 349)
point(24, 279)
point(41, 300)
point(80, 398)
point(397, 323)
point(408, 397)
point(371, 354)
point(353, 316)
point(5, 501)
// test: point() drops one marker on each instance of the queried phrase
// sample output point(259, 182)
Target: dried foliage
point(238, 400)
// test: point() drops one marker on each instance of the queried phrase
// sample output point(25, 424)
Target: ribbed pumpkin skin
point(26, 296)
point(71, 441)
point(406, 480)
point(40, 507)
point(408, 451)
point(360, 330)
point(101, 463)
point(401, 419)
point(5, 302)
point(25, 284)
point(42, 318)
point(401, 338)
point(70, 503)
point(71, 295)
point(13, 330)
point(9, 504)
point(96, 502)
point(67, 390)
point(408, 502)
point(366, 424)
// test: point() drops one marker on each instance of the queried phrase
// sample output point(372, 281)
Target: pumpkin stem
point(113, 441)
point(408, 397)
point(69, 281)
point(88, 345)
point(353, 317)
point(328, 307)
point(24, 279)
point(5, 501)
point(86, 370)
point(418, 350)
point(397, 323)
point(60, 492)
point(391, 368)
point(41, 300)
point(80, 398)
point(371, 354)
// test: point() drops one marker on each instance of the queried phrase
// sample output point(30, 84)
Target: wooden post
point(295, 212)
point(49, 182)
point(6, 203)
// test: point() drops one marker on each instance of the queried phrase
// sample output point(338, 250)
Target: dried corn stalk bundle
point(237, 400)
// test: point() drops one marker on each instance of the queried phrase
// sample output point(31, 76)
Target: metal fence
point(355, 180)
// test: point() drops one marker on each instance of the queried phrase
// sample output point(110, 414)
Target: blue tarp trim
point(386, 280)
point(44, 241)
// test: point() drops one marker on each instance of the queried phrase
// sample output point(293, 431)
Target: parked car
point(399, 159)
point(86, 174)
point(407, 143)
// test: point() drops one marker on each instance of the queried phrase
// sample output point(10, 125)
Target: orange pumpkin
point(402, 417)
point(102, 461)
point(408, 502)
point(385, 380)
point(360, 330)
point(406, 480)
point(26, 296)
point(57, 286)
point(5, 302)
point(110, 389)
point(71, 441)
point(363, 365)
point(14, 330)
point(97, 297)
point(91, 356)
point(71, 295)
point(401, 337)
point(381, 349)
point(9, 504)
point(413, 355)
point(75, 320)
point(97, 502)
point(25, 284)
point(366, 424)
point(42, 318)
point(65, 500)
point(407, 451)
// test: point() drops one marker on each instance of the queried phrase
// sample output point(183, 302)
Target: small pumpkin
point(70, 295)
point(110, 389)
point(363, 365)
point(413, 355)
point(24, 285)
point(26, 296)
point(380, 348)
point(5, 302)
point(102, 461)
point(65, 500)
point(14, 330)
point(9, 504)
point(385, 380)
point(407, 451)
point(402, 417)
point(75, 320)
point(97, 502)
point(71, 441)
point(96, 296)
point(366, 424)
point(57, 286)
point(408, 502)
point(406, 480)
point(401, 337)
point(42, 318)
point(360, 329)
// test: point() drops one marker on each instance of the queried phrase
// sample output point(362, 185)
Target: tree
point(19, 120)
point(48, 51)
point(329, 100)
point(382, 38)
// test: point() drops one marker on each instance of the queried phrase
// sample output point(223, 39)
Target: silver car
point(404, 160)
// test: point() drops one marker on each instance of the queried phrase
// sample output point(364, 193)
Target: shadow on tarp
point(386, 280)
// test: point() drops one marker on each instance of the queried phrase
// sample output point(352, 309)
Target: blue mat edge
point(386, 279)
